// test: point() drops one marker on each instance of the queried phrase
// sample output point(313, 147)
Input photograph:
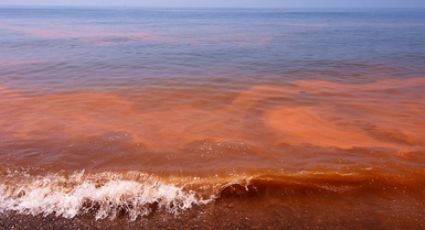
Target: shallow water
point(144, 111)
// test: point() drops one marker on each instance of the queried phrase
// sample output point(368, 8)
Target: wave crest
point(76, 195)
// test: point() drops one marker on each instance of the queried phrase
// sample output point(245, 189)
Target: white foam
point(75, 195)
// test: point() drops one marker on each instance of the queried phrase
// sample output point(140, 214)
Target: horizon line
point(198, 7)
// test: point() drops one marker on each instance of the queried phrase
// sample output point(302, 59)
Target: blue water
point(86, 47)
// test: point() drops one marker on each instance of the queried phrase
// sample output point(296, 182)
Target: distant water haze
point(227, 3)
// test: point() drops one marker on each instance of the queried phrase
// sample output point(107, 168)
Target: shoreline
point(297, 212)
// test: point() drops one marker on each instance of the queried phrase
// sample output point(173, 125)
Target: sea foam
point(106, 197)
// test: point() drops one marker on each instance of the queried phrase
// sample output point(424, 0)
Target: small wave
point(137, 194)
point(77, 194)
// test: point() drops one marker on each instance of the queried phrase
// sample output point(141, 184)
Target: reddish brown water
point(300, 125)
point(118, 119)
point(286, 145)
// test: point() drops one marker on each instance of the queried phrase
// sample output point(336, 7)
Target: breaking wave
point(136, 194)
point(79, 194)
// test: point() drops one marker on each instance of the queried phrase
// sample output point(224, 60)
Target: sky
point(225, 3)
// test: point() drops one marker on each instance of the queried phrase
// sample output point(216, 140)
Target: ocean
point(212, 118)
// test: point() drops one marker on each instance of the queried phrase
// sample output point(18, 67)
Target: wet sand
point(296, 211)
